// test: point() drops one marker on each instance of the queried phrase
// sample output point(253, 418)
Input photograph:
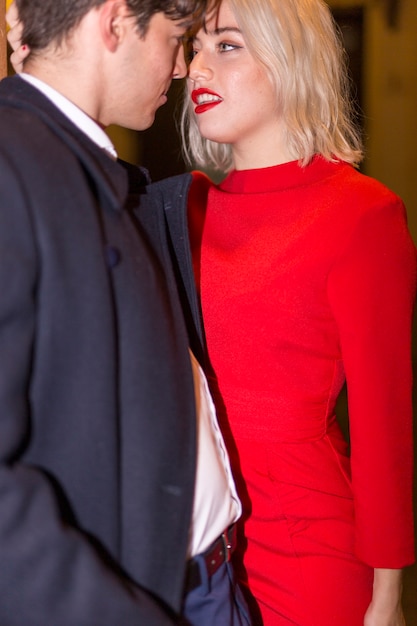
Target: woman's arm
point(385, 608)
point(372, 291)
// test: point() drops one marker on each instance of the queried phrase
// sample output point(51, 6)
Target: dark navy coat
point(97, 415)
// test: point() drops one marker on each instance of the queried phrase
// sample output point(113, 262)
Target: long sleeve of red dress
point(370, 291)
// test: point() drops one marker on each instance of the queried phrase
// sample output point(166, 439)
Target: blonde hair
point(298, 43)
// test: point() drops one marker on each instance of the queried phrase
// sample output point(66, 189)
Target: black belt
point(218, 553)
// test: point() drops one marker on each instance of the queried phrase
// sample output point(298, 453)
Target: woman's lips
point(205, 99)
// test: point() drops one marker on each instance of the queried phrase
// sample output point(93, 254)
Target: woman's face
point(234, 100)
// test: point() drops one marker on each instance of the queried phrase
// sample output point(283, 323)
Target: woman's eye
point(226, 47)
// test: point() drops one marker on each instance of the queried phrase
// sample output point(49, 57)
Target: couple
point(115, 484)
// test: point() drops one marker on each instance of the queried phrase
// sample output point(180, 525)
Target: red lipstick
point(202, 104)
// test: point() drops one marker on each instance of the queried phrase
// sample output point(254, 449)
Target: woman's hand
point(385, 608)
point(14, 37)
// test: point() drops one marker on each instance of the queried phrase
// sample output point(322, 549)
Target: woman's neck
point(263, 151)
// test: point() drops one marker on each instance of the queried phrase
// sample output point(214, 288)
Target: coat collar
point(111, 179)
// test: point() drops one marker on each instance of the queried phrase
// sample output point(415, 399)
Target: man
point(109, 478)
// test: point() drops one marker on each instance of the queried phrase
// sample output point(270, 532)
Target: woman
point(306, 274)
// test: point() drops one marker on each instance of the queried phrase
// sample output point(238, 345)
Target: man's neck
point(67, 80)
point(73, 113)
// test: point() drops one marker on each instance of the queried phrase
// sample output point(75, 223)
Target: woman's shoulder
point(367, 193)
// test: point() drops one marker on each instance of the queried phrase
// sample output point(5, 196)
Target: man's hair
point(298, 44)
point(47, 21)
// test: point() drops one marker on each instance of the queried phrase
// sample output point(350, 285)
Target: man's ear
point(112, 22)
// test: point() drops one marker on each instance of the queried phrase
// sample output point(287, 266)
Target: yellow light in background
point(8, 3)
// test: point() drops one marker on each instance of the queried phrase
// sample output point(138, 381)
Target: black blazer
point(97, 413)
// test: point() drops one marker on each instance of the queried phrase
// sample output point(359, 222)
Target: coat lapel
point(110, 179)
point(168, 200)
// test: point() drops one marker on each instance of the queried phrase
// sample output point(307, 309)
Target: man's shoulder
point(17, 95)
point(26, 116)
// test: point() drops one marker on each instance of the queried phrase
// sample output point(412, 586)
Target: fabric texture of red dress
point(307, 279)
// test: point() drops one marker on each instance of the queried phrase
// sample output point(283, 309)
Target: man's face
point(146, 68)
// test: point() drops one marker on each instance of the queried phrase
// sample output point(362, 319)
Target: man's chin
point(145, 122)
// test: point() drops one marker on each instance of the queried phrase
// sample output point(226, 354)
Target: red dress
point(307, 277)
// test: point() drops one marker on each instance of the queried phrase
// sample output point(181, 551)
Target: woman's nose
point(198, 68)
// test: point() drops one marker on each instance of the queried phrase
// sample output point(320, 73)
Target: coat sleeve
point(372, 290)
point(50, 573)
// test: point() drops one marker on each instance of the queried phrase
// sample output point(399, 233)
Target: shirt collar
point(75, 114)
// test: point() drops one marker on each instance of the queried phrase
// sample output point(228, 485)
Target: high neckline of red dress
point(278, 177)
